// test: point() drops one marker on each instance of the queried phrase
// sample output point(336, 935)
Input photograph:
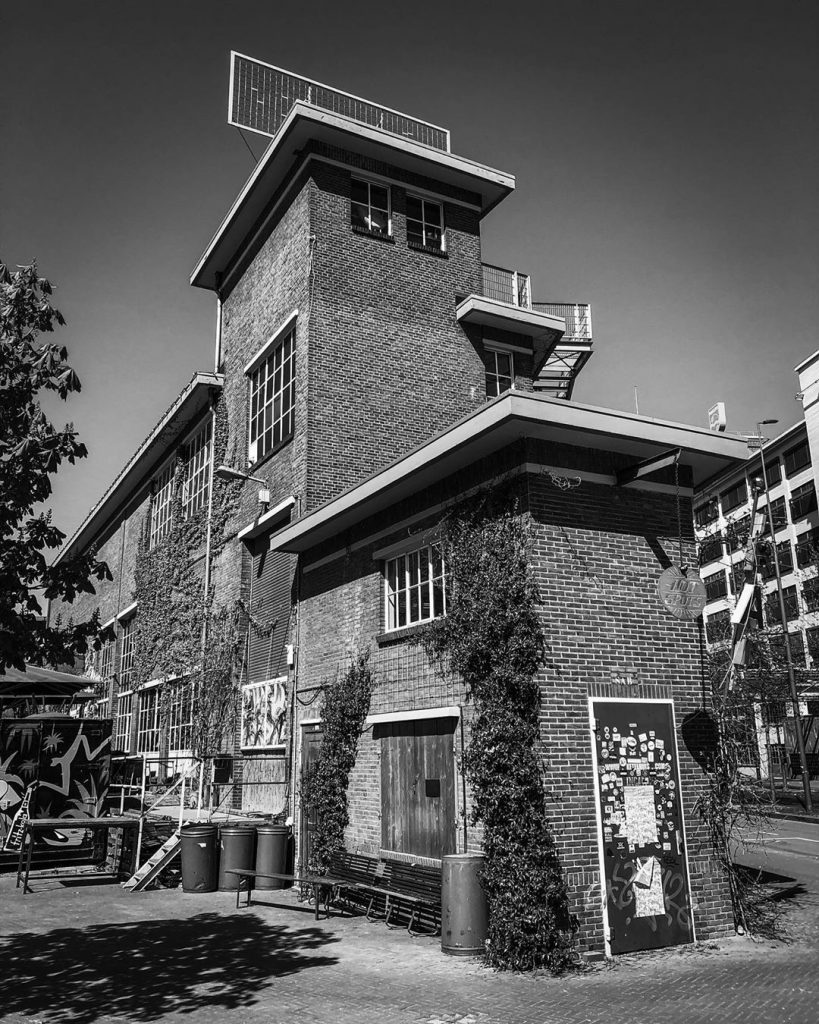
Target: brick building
point(370, 371)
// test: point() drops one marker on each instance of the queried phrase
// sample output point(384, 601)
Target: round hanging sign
point(683, 595)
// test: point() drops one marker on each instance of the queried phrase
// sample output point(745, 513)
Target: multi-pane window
point(370, 207)
point(500, 373)
point(773, 471)
point(810, 592)
point(812, 636)
point(710, 549)
point(767, 564)
point(272, 399)
point(797, 458)
point(122, 721)
point(162, 506)
point(736, 533)
point(180, 716)
point(738, 576)
point(777, 647)
point(791, 605)
point(807, 549)
point(780, 515)
point(803, 501)
point(126, 653)
point(425, 223)
point(716, 586)
point(148, 721)
point(197, 471)
point(105, 659)
point(734, 497)
point(416, 587)
point(718, 626)
point(707, 513)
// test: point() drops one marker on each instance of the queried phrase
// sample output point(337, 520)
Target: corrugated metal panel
point(270, 609)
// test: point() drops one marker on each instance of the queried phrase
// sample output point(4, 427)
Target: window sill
point(394, 635)
point(431, 249)
point(373, 234)
point(253, 466)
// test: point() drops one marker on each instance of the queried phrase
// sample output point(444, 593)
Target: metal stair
point(160, 859)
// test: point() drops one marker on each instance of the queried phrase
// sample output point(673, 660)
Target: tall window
point(122, 722)
point(734, 497)
point(197, 471)
point(180, 716)
point(500, 373)
point(425, 223)
point(370, 207)
point(797, 458)
point(707, 513)
point(105, 659)
point(416, 587)
point(791, 605)
point(126, 653)
point(162, 507)
point(716, 586)
point(148, 721)
point(272, 399)
point(803, 501)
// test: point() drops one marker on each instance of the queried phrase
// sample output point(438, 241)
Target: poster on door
point(647, 902)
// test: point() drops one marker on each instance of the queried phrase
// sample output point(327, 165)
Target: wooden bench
point(393, 889)
point(325, 887)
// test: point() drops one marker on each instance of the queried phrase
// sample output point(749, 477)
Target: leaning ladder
point(160, 859)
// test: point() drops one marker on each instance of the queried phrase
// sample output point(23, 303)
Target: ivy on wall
point(324, 782)
point(493, 638)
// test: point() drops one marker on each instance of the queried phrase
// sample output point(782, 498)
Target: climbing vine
point(324, 782)
point(492, 637)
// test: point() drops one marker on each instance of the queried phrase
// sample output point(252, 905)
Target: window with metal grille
point(162, 505)
point(370, 207)
point(707, 513)
point(148, 721)
point(122, 722)
point(734, 497)
point(197, 471)
point(180, 716)
point(774, 712)
point(803, 501)
point(273, 399)
point(716, 586)
point(779, 514)
point(500, 373)
point(710, 549)
point(126, 653)
point(807, 549)
point(416, 587)
point(425, 223)
point(797, 458)
point(718, 626)
point(791, 605)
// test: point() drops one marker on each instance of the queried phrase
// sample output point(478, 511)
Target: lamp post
point(800, 739)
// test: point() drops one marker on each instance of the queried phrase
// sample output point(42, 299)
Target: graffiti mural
point(54, 768)
point(264, 707)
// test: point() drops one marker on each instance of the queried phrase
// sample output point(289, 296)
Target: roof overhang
point(306, 123)
point(497, 425)
point(40, 682)
point(174, 424)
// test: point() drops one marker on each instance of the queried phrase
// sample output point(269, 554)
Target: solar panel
point(262, 95)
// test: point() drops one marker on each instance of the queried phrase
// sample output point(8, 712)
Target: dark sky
point(665, 155)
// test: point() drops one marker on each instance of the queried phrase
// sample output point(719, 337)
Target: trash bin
point(200, 858)
point(271, 854)
point(463, 905)
point(237, 849)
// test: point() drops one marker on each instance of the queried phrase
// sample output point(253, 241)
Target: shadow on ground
point(144, 970)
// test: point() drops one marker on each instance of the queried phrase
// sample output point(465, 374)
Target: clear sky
point(665, 155)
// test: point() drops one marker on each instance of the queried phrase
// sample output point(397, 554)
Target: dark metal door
point(644, 862)
point(311, 737)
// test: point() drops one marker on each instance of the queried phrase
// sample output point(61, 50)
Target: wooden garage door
point(418, 786)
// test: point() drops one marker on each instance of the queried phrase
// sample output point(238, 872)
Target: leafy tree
point(31, 451)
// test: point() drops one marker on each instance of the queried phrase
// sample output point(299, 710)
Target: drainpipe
point(218, 353)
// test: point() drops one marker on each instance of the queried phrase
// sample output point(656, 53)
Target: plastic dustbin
point(200, 858)
point(463, 905)
point(237, 849)
point(271, 855)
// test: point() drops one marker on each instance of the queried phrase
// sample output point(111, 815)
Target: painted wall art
point(264, 714)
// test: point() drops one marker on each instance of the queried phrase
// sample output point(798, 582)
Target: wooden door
point(311, 739)
point(418, 787)
point(642, 838)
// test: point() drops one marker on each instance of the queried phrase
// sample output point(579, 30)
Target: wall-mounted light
point(228, 473)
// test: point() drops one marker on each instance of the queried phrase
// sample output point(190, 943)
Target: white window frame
point(162, 505)
point(260, 371)
point(368, 219)
point(402, 583)
point(121, 739)
point(151, 730)
point(440, 226)
point(126, 652)
point(496, 376)
point(198, 453)
point(180, 715)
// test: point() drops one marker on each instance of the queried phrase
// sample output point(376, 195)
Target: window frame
point(713, 580)
point(802, 501)
point(197, 457)
point(148, 724)
point(127, 648)
point(398, 599)
point(738, 495)
point(121, 738)
point(493, 353)
point(791, 466)
point(440, 227)
point(367, 227)
point(282, 426)
point(162, 503)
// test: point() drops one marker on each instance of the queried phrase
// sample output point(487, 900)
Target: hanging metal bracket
point(648, 466)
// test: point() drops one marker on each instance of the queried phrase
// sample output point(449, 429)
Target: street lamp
point(800, 739)
point(228, 473)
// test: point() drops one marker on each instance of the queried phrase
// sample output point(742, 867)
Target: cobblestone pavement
point(78, 954)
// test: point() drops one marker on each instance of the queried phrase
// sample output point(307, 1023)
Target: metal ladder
point(160, 859)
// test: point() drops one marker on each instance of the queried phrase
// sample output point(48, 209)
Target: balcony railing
point(576, 314)
point(508, 286)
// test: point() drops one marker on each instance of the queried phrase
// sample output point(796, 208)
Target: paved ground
point(78, 954)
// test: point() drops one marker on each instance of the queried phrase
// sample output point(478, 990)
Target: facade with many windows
point(373, 372)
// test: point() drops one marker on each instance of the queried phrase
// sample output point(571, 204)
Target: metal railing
point(263, 95)
point(508, 286)
point(576, 314)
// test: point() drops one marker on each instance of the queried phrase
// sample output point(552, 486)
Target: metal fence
point(405, 677)
point(508, 286)
point(576, 314)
